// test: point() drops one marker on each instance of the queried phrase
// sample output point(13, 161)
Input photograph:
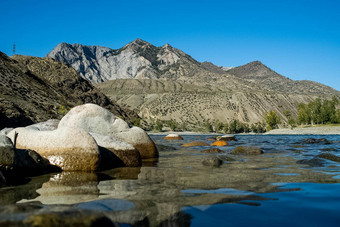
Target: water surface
point(178, 190)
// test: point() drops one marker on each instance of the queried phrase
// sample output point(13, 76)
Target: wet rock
point(212, 150)
point(2, 179)
point(312, 141)
point(212, 161)
point(68, 148)
point(161, 147)
point(195, 144)
point(227, 138)
point(226, 158)
point(220, 143)
point(328, 156)
point(314, 162)
point(16, 163)
point(95, 119)
point(247, 150)
point(173, 137)
point(68, 218)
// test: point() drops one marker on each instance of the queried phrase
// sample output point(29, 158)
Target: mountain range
point(164, 83)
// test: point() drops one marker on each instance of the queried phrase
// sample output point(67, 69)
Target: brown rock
point(173, 137)
point(219, 143)
point(195, 143)
point(212, 150)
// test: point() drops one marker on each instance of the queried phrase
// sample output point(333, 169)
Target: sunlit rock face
point(70, 149)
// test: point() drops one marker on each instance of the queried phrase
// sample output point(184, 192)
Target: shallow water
point(260, 190)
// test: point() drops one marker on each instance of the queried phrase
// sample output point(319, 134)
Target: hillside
point(36, 89)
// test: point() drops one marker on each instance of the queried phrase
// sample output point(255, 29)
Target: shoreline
point(317, 130)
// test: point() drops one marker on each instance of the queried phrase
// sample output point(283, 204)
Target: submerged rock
point(212, 150)
point(161, 147)
point(328, 156)
point(314, 162)
point(312, 141)
point(173, 137)
point(247, 150)
point(212, 161)
point(226, 158)
point(195, 144)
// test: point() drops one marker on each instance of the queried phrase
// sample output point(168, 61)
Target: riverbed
point(285, 186)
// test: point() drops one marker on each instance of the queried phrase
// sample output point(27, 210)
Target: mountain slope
point(36, 89)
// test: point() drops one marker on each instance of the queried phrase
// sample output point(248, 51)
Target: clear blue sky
point(299, 39)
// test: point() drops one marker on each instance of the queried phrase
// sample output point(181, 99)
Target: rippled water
point(262, 190)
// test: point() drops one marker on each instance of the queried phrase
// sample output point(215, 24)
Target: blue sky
point(298, 39)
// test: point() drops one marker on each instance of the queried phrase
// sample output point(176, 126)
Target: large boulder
point(116, 153)
point(95, 119)
point(15, 164)
point(70, 149)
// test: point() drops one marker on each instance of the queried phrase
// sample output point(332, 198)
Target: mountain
point(164, 83)
point(36, 89)
point(138, 59)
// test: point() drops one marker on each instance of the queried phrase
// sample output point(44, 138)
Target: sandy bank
point(323, 130)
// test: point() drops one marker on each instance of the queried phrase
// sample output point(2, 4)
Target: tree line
point(319, 112)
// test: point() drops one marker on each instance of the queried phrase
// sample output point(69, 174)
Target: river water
point(270, 189)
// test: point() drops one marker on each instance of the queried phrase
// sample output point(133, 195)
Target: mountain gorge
point(164, 83)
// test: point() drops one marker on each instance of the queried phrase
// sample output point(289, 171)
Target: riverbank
point(319, 130)
point(315, 130)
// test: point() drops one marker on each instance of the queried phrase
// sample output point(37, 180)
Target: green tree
point(272, 120)
point(303, 114)
point(159, 125)
point(218, 126)
point(136, 122)
point(173, 125)
point(208, 126)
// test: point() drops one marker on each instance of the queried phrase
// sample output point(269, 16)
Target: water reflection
point(158, 194)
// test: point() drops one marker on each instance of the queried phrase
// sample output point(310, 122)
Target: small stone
point(247, 150)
